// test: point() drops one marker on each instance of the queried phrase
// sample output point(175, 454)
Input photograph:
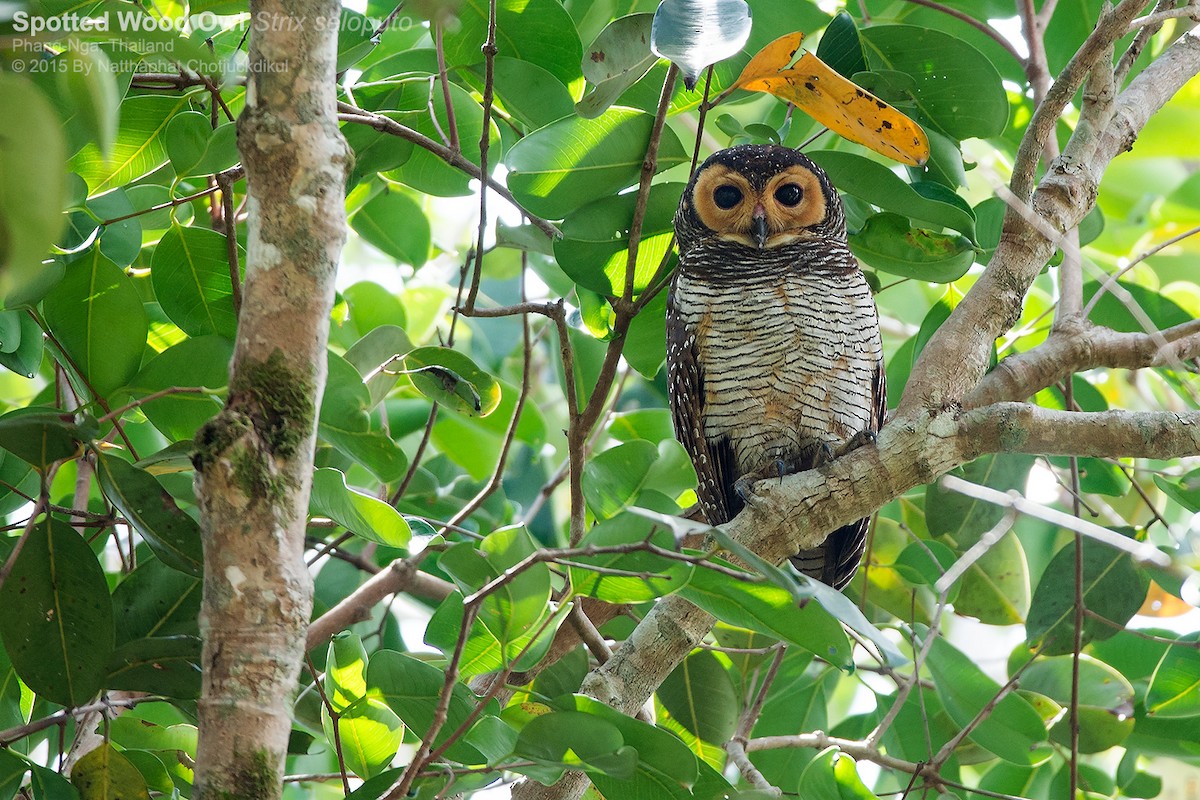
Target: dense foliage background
point(494, 444)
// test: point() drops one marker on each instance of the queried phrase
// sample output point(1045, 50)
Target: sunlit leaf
point(106, 774)
point(833, 101)
point(1175, 688)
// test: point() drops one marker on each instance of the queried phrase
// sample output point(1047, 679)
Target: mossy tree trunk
point(254, 460)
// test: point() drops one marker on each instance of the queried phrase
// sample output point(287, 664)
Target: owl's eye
point(726, 197)
point(789, 194)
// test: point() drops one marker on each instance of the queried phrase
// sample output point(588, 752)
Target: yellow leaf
point(835, 102)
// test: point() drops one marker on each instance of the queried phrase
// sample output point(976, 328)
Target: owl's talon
point(856, 441)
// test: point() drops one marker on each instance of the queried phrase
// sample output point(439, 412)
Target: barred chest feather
point(787, 359)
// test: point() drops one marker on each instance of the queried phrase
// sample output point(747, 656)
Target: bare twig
point(1142, 552)
point(349, 113)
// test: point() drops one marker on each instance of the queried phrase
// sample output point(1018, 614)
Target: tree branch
point(957, 355)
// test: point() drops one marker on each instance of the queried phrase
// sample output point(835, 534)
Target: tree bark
point(254, 461)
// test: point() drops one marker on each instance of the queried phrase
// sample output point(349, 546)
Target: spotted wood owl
point(773, 353)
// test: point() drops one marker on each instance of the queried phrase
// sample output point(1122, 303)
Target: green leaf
point(1105, 700)
point(105, 774)
point(355, 38)
point(485, 650)
point(22, 344)
point(372, 306)
point(12, 773)
point(475, 442)
point(665, 767)
point(1013, 730)
point(771, 610)
point(617, 59)
point(650, 577)
point(345, 679)
point(958, 90)
point(888, 243)
point(575, 740)
point(120, 242)
point(453, 380)
point(530, 93)
point(96, 314)
point(700, 696)
point(89, 80)
point(140, 147)
point(841, 49)
point(396, 224)
point(995, 590)
point(370, 733)
point(412, 688)
point(1113, 311)
point(165, 665)
point(693, 34)
point(42, 436)
point(32, 186)
point(172, 535)
point(199, 362)
point(538, 31)
point(961, 520)
point(612, 479)
point(196, 148)
point(833, 776)
point(876, 184)
point(1113, 589)
point(594, 249)
point(366, 516)
point(374, 151)
point(344, 423)
point(190, 270)
point(373, 354)
point(58, 629)
point(1173, 691)
point(568, 163)
point(427, 172)
point(156, 601)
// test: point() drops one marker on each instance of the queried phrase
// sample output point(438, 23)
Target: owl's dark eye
point(727, 196)
point(789, 194)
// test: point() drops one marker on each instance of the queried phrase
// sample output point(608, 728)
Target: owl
point(774, 361)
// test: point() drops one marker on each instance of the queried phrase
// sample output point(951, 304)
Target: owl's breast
point(787, 361)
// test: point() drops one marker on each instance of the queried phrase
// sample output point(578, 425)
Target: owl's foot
point(856, 441)
point(744, 486)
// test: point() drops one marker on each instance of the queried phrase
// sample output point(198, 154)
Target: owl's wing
point(836, 560)
point(715, 467)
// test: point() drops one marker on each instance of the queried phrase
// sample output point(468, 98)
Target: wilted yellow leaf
point(835, 102)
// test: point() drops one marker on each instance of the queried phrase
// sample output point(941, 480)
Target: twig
point(334, 717)
point(349, 113)
point(1190, 11)
point(509, 435)
point(141, 401)
point(489, 79)
point(444, 80)
point(1141, 552)
point(982, 27)
point(231, 248)
point(1112, 280)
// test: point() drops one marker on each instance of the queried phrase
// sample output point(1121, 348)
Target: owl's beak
point(758, 226)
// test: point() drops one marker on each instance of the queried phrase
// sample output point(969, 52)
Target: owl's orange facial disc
point(729, 205)
point(724, 202)
point(794, 201)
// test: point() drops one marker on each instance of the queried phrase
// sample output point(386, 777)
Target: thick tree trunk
point(254, 460)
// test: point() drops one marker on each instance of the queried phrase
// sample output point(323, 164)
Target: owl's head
point(760, 196)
